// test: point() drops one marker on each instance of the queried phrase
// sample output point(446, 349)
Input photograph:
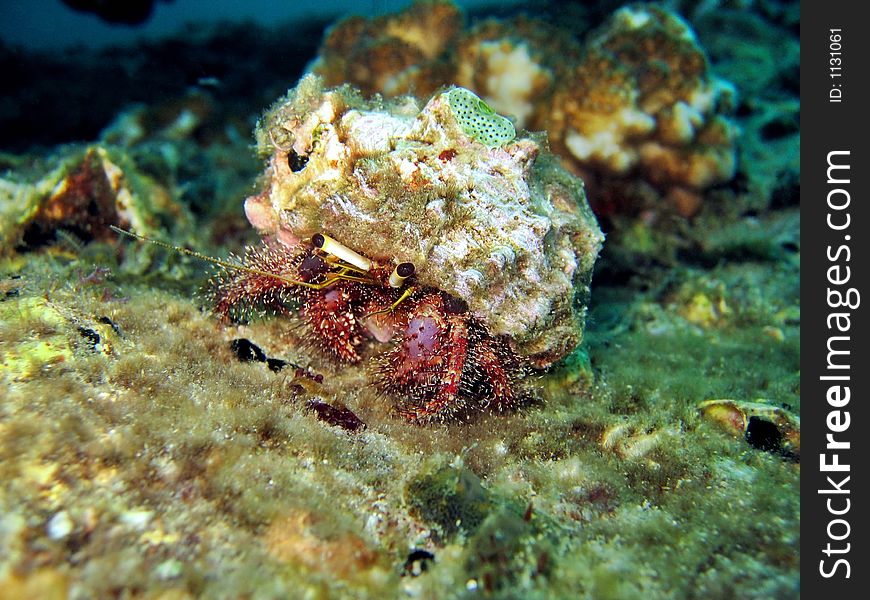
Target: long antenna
point(216, 261)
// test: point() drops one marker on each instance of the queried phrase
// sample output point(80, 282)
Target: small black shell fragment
point(296, 162)
point(417, 562)
point(276, 364)
point(107, 321)
point(91, 336)
point(246, 351)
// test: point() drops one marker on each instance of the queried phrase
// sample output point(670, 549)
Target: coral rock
point(393, 54)
point(513, 65)
point(91, 189)
point(643, 98)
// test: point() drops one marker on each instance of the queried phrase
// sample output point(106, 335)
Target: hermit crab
point(438, 229)
point(441, 363)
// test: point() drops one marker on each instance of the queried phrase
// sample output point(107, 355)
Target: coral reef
point(636, 103)
point(393, 54)
point(515, 65)
point(643, 98)
point(485, 217)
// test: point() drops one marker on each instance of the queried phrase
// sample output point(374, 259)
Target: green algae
point(451, 498)
point(222, 452)
point(509, 550)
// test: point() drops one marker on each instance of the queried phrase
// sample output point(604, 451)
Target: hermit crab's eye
point(330, 246)
point(400, 274)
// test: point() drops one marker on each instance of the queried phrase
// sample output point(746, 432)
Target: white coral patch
point(511, 79)
point(373, 132)
point(420, 37)
point(705, 98)
point(568, 259)
point(684, 121)
point(468, 282)
point(502, 257)
point(407, 168)
point(634, 121)
point(635, 17)
point(326, 112)
point(605, 140)
point(603, 146)
point(435, 210)
point(334, 151)
point(341, 205)
point(59, 526)
point(632, 17)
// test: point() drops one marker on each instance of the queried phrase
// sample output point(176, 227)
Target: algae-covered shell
point(90, 189)
point(482, 215)
point(765, 426)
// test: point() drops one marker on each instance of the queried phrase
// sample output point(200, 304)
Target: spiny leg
point(331, 322)
point(265, 285)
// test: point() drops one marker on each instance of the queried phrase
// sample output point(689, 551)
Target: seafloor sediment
point(146, 453)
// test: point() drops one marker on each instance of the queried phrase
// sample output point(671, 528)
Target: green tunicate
point(478, 120)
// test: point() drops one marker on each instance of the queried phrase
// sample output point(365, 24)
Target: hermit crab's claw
point(447, 364)
point(333, 323)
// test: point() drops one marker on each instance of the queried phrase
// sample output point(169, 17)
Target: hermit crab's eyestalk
point(400, 274)
point(330, 246)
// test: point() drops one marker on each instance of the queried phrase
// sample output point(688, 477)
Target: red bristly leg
point(243, 292)
point(332, 323)
point(491, 369)
point(453, 353)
